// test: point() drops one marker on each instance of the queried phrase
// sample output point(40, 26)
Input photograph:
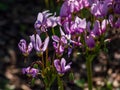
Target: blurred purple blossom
point(100, 7)
point(24, 48)
point(113, 23)
point(38, 45)
point(99, 28)
point(116, 6)
point(68, 7)
point(61, 66)
point(30, 71)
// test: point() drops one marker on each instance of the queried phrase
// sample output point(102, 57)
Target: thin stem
point(53, 31)
point(89, 73)
point(43, 62)
point(46, 57)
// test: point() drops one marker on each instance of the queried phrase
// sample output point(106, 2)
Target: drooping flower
point(45, 20)
point(26, 49)
point(38, 45)
point(61, 66)
point(30, 71)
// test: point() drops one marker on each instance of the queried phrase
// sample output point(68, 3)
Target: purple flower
point(117, 23)
point(100, 8)
point(68, 7)
point(61, 66)
point(30, 71)
point(39, 46)
point(24, 48)
point(114, 23)
point(99, 28)
point(116, 6)
point(59, 44)
point(96, 29)
point(73, 27)
point(79, 25)
point(67, 37)
point(90, 41)
point(45, 20)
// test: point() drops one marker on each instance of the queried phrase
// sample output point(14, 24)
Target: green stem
point(89, 73)
point(47, 88)
point(47, 3)
point(60, 84)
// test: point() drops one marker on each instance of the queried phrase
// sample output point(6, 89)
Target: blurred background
point(17, 18)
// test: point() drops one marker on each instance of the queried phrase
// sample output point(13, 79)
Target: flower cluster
point(76, 31)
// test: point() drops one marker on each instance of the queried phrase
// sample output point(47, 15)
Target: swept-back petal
point(40, 17)
point(61, 32)
point(57, 65)
point(55, 38)
point(45, 44)
point(63, 63)
point(30, 46)
point(22, 45)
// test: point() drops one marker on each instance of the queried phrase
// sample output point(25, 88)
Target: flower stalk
point(89, 73)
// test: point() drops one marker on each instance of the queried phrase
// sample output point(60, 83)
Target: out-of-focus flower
point(68, 7)
point(39, 46)
point(100, 8)
point(99, 28)
point(61, 66)
point(113, 23)
point(24, 48)
point(116, 6)
point(90, 41)
point(79, 25)
point(30, 71)
point(45, 20)
point(117, 23)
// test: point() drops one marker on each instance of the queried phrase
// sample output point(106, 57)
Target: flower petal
point(57, 65)
point(45, 44)
point(55, 38)
point(63, 63)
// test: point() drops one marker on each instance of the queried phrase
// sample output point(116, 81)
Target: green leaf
point(80, 83)
point(32, 81)
point(71, 76)
point(35, 66)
